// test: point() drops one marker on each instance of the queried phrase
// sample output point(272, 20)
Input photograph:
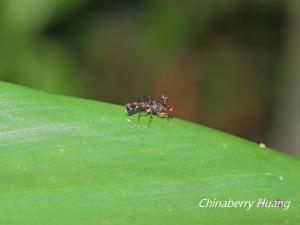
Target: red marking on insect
point(171, 110)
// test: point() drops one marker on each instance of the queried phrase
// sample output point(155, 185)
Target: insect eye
point(164, 96)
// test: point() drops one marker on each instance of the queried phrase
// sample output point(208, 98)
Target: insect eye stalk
point(164, 98)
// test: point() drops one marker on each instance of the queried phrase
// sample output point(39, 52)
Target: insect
point(151, 107)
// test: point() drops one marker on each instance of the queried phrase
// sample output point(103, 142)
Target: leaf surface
point(68, 161)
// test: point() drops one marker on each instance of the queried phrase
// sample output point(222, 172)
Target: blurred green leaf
point(32, 15)
point(28, 56)
point(70, 161)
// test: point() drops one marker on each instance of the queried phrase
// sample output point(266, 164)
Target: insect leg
point(151, 115)
point(138, 119)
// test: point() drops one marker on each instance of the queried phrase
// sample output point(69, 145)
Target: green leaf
point(70, 161)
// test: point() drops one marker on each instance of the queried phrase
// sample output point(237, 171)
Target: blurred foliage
point(217, 60)
point(28, 57)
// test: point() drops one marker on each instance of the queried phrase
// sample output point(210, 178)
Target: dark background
point(232, 65)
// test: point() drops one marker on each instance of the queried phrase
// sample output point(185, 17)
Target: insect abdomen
point(131, 108)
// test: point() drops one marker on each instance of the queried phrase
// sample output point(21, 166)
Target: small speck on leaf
point(262, 145)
